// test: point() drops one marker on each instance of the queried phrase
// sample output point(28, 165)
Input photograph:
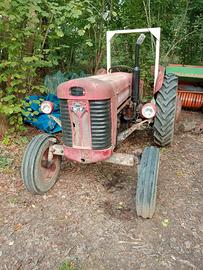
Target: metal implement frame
point(156, 32)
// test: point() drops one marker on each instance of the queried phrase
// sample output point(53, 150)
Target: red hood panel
point(97, 87)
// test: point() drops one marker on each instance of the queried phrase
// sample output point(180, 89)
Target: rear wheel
point(37, 173)
point(166, 100)
point(147, 182)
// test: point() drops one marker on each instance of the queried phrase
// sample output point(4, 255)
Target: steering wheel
point(121, 68)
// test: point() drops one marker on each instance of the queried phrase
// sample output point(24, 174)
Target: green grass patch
point(67, 266)
point(5, 163)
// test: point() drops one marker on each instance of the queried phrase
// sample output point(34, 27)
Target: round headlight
point(47, 107)
point(148, 110)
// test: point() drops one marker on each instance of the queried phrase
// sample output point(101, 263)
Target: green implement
point(190, 84)
point(185, 71)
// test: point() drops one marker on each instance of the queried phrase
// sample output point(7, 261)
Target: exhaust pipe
point(136, 71)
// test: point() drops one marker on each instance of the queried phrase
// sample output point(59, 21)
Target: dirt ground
point(88, 220)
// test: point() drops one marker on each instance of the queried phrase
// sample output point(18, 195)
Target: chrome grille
point(100, 114)
point(66, 124)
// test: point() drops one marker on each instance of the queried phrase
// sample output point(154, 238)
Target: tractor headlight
point(148, 110)
point(47, 107)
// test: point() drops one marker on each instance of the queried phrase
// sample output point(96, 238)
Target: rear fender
point(160, 79)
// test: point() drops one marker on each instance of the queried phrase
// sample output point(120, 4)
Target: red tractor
point(93, 110)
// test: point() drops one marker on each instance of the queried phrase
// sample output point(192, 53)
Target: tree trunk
point(3, 125)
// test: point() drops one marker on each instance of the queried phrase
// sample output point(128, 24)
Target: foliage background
point(41, 36)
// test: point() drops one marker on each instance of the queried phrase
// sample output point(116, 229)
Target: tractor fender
point(159, 80)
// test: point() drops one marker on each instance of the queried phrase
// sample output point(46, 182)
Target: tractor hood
point(96, 87)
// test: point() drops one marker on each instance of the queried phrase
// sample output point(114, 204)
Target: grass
point(5, 163)
point(10, 152)
point(13, 200)
point(67, 266)
point(15, 139)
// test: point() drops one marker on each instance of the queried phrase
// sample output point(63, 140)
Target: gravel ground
point(88, 219)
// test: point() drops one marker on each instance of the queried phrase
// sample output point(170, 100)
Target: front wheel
point(147, 182)
point(37, 173)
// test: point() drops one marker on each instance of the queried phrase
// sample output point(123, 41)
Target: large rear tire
point(38, 175)
point(147, 182)
point(166, 101)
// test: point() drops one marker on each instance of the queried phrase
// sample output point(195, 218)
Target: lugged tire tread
point(25, 172)
point(147, 182)
point(166, 106)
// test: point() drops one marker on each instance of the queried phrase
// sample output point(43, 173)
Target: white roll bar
point(154, 31)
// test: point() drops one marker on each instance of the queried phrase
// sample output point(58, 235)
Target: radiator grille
point(66, 124)
point(100, 113)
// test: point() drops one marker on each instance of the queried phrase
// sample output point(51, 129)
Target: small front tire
point(147, 182)
point(38, 175)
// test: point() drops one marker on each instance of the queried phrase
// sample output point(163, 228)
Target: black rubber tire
point(147, 182)
point(32, 168)
point(164, 122)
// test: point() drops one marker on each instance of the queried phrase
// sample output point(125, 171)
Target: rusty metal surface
point(99, 87)
point(125, 159)
point(160, 78)
point(127, 102)
point(122, 159)
point(178, 108)
point(87, 155)
point(56, 149)
point(124, 134)
point(191, 100)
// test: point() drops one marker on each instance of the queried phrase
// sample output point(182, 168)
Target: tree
point(38, 37)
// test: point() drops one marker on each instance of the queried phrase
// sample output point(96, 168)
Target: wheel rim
point(47, 171)
point(37, 176)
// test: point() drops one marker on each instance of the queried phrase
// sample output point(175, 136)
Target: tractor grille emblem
point(78, 109)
